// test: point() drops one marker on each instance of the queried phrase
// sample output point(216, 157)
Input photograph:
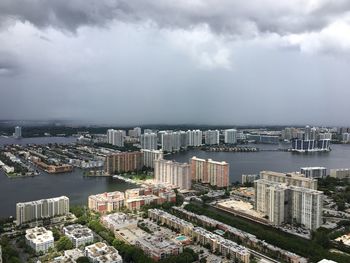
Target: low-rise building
point(70, 256)
point(106, 202)
point(117, 221)
point(102, 253)
point(157, 248)
point(78, 234)
point(340, 173)
point(39, 239)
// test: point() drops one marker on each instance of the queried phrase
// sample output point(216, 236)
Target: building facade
point(106, 202)
point(116, 137)
point(149, 141)
point(230, 136)
point(314, 172)
point(79, 235)
point(195, 138)
point(123, 162)
point(173, 173)
point(40, 209)
point(212, 137)
point(211, 172)
point(340, 173)
point(150, 155)
point(39, 239)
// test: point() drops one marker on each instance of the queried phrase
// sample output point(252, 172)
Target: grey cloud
point(223, 17)
point(8, 64)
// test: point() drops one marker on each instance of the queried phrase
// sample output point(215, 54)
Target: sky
point(175, 62)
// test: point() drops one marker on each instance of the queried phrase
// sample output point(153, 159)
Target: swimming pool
point(181, 238)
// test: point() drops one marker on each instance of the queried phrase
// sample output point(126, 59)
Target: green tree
point(64, 243)
point(83, 260)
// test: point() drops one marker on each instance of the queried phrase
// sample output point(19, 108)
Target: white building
point(195, 138)
point(340, 173)
point(39, 239)
point(102, 253)
point(172, 173)
point(314, 172)
point(70, 256)
point(150, 155)
point(149, 141)
point(116, 137)
point(78, 234)
point(44, 208)
point(18, 132)
point(170, 141)
point(346, 137)
point(212, 137)
point(230, 136)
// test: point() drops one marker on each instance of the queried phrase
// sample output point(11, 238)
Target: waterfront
point(78, 188)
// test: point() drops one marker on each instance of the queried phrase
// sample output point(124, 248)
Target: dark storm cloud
point(224, 17)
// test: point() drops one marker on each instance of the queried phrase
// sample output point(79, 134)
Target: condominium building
point(69, 256)
point(285, 203)
point(300, 145)
point(340, 173)
point(294, 179)
point(249, 178)
point(314, 172)
point(183, 139)
point(135, 133)
point(346, 137)
point(116, 137)
point(150, 155)
point(106, 202)
point(117, 221)
point(39, 239)
point(209, 171)
point(170, 141)
point(102, 253)
point(216, 242)
point(79, 235)
point(195, 138)
point(18, 132)
point(123, 162)
point(149, 141)
point(40, 209)
point(173, 173)
point(230, 136)
point(158, 248)
point(212, 137)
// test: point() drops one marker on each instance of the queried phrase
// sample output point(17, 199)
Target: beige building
point(295, 179)
point(172, 173)
point(101, 252)
point(40, 209)
point(106, 202)
point(210, 172)
point(340, 173)
point(123, 162)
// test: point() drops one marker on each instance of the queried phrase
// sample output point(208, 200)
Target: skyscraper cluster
point(289, 198)
point(116, 137)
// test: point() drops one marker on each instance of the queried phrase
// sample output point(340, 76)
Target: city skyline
point(175, 62)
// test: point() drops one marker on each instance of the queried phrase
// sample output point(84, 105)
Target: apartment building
point(340, 173)
point(149, 141)
point(101, 252)
point(314, 172)
point(78, 234)
point(106, 202)
point(295, 179)
point(150, 155)
point(40, 209)
point(210, 172)
point(123, 162)
point(39, 239)
point(172, 173)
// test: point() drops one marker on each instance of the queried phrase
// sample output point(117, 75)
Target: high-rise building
point(116, 137)
point(149, 141)
point(230, 136)
point(212, 137)
point(195, 138)
point(170, 141)
point(294, 179)
point(345, 137)
point(173, 173)
point(150, 155)
point(40, 209)
point(209, 171)
point(123, 162)
point(340, 173)
point(183, 139)
point(18, 132)
point(289, 199)
point(314, 172)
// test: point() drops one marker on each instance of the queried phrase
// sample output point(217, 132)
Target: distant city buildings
point(311, 140)
point(340, 173)
point(345, 137)
point(101, 252)
point(40, 209)
point(149, 141)
point(210, 172)
point(123, 162)
point(135, 133)
point(314, 172)
point(39, 239)
point(249, 178)
point(150, 155)
point(173, 173)
point(230, 136)
point(78, 234)
point(18, 132)
point(116, 137)
point(289, 198)
point(195, 138)
point(170, 141)
point(212, 137)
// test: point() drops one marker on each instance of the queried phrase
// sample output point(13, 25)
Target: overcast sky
point(163, 61)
